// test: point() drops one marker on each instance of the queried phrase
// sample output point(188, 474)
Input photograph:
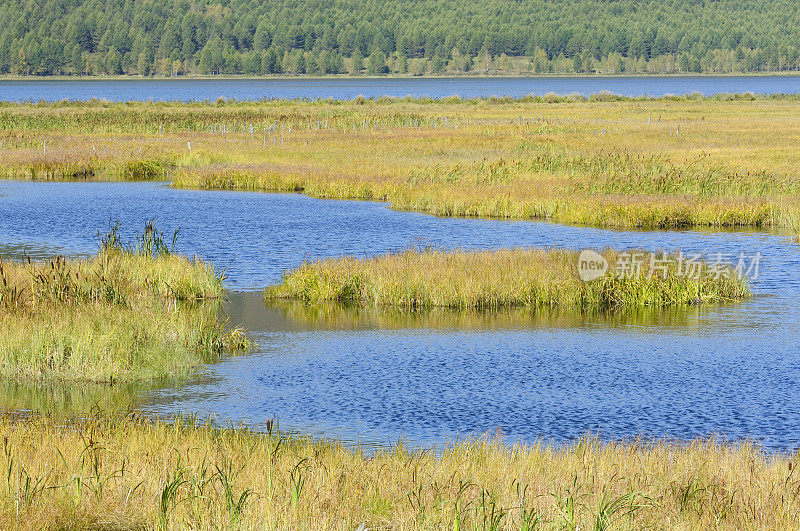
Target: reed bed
point(109, 277)
point(506, 278)
point(603, 161)
point(133, 473)
point(128, 314)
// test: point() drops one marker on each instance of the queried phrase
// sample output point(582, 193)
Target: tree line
point(415, 37)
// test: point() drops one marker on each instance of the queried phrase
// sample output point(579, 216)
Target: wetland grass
point(794, 227)
point(133, 473)
point(105, 343)
point(127, 314)
point(667, 162)
point(139, 313)
point(505, 278)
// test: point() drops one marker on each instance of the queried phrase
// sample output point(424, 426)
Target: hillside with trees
point(413, 37)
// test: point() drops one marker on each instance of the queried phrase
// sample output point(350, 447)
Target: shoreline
point(550, 98)
point(284, 77)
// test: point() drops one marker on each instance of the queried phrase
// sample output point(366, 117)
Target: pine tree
point(356, 63)
point(376, 64)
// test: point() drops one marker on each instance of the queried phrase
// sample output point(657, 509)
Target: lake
point(374, 376)
point(348, 88)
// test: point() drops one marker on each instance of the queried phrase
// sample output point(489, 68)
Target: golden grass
point(138, 474)
point(521, 278)
point(111, 276)
point(120, 316)
point(666, 162)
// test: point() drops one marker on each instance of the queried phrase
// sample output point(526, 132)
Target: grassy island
point(123, 315)
point(506, 278)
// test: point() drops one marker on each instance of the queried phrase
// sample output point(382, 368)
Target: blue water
point(374, 377)
point(348, 88)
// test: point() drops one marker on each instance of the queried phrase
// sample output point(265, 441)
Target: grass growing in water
point(603, 161)
point(794, 226)
point(138, 474)
point(528, 278)
point(127, 314)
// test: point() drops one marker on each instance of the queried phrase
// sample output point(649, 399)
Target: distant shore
point(285, 77)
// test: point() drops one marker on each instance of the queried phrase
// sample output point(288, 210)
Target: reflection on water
point(70, 400)
point(254, 314)
point(372, 375)
point(34, 251)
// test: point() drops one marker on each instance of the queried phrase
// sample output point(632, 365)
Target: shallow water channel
point(374, 376)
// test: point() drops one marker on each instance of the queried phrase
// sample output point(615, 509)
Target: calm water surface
point(374, 376)
point(346, 88)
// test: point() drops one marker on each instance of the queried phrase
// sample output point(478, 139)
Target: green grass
point(109, 343)
point(506, 278)
point(128, 314)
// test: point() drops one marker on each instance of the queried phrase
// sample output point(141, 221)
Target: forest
point(404, 37)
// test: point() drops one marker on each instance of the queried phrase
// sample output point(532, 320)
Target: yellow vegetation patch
point(604, 161)
point(526, 278)
point(129, 473)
